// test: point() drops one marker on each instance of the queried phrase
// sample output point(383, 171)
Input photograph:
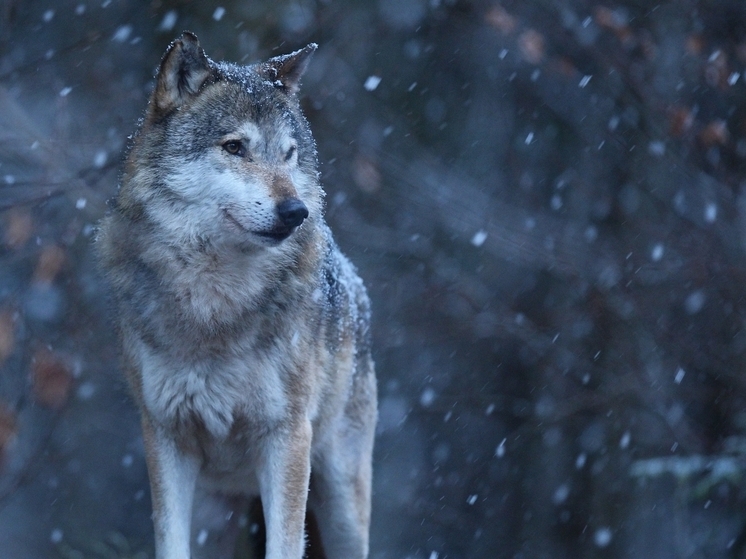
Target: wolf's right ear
point(183, 70)
point(286, 71)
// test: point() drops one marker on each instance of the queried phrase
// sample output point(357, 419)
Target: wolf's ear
point(286, 71)
point(183, 70)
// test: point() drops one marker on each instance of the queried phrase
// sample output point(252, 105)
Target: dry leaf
point(501, 20)
point(50, 262)
point(531, 45)
point(680, 120)
point(715, 133)
point(51, 379)
point(695, 44)
point(365, 173)
point(18, 228)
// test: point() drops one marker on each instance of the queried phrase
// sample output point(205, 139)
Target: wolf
point(245, 332)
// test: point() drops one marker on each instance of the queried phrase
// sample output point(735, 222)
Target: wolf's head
point(225, 154)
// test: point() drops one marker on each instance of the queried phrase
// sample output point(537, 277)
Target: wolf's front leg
point(341, 491)
point(173, 476)
point(283, 483)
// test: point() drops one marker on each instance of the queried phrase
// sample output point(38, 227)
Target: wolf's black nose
point(292, 212)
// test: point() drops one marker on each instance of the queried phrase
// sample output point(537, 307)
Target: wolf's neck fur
point(214, 283)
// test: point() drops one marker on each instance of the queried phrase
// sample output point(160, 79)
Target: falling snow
point(602, 537)
point(580, 460)
point(99, 160)
point(169, 21)
point(695, 302)
point(657, 148)
point(371, 83)
point(86, 391)
point(427, 397)
point(711, 212)
point(202, 537)
point(479, 237)
point(122, 33)
point(657, 253)
point(561, 494)
point(500, 450)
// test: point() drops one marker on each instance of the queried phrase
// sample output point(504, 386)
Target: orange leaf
point(51, 379)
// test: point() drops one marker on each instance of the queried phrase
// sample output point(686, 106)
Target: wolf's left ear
point(286, 71)
point(183, 70)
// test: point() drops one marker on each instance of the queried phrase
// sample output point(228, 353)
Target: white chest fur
point(212, 391)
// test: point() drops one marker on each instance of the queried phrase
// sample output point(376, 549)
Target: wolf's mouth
point(234, 221)
point(277, 234)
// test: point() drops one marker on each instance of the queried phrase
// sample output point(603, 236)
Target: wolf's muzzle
point(292, 212)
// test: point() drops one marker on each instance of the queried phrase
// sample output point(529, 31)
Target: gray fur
point(246, 341)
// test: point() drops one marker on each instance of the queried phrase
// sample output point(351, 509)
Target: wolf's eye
point(235, 147)
point(289, 154)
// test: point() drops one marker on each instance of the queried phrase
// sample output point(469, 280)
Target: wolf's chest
point(213, 393)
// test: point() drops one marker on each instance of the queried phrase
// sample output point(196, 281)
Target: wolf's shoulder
point(346, 298)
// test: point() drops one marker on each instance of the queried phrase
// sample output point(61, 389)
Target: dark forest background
point(546, 200)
